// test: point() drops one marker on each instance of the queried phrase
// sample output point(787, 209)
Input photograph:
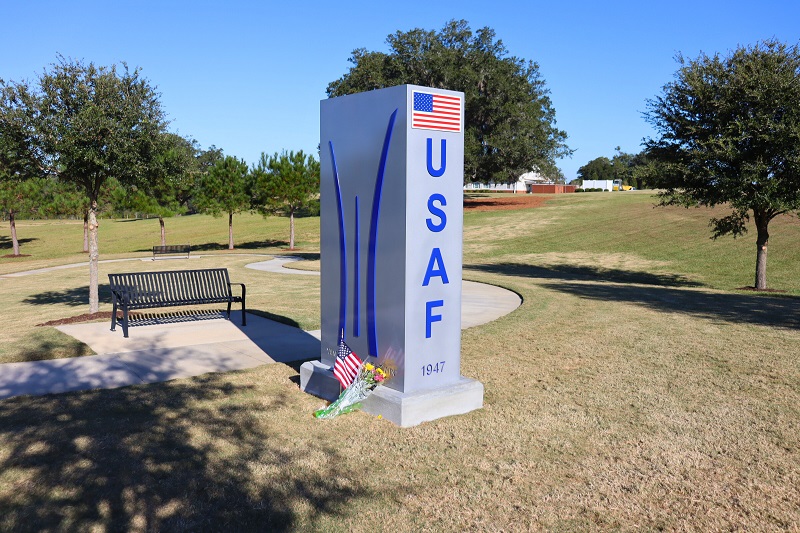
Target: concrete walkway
point(168, 349)
point(277, 265)
point(480, 303)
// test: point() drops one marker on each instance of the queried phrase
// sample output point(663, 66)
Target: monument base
point(403, 409)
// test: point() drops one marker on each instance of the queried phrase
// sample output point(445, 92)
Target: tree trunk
point(86, 232)
point(163, 231)
point(762, 223)
point(230, 231)
point(14, 241)
point(291, 230)
point(94, 255)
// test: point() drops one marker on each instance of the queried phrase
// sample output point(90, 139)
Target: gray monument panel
point(363, 145)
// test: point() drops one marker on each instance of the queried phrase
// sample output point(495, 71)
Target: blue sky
point(248, 76)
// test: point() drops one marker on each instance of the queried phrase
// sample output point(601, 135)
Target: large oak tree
point(730, 135)
point(599, 168)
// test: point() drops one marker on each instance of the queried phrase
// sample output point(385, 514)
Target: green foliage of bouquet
point(369, 376)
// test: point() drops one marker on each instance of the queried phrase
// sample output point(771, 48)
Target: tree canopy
point(168, 190)
point(599, 168)
point(17, 157)
point(628, 168)
point(509, 118)
point(730, 135)
point(97, 122)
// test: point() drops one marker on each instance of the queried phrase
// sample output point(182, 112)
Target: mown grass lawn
point(635, 388)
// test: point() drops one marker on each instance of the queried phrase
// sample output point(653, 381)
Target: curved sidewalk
point(163, 350)
point(480, 303)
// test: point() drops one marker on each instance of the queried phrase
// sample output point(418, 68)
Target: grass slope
point(619, 234)
point(633, 389)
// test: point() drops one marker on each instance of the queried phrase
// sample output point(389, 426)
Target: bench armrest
point(121, 294)
point(244, 289)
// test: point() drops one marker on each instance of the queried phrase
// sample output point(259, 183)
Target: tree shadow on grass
point(42, 345)
point(780, 312)
point(276, 318)
point(6, 243)
point(588, 273)
point(249, 245)
point(218, 247)
point(73, 297)
point(194, 455)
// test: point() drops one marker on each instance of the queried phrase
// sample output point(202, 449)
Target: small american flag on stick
point(347, 363)
point(440, 112)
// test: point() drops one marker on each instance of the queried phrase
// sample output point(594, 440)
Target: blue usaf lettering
point(435, 224)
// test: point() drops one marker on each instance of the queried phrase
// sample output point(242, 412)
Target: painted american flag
point(347, 363)
point(441, 112)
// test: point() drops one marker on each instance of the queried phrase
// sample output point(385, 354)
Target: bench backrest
point(171, 248)
point(172, 286)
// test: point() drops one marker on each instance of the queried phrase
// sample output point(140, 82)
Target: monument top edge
point(407, 88)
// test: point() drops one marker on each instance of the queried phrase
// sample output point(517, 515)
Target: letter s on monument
point(432, 209)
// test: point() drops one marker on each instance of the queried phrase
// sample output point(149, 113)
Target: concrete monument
point(392, 164)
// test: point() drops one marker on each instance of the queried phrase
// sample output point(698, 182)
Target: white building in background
point(521, 186)
point(606, 185)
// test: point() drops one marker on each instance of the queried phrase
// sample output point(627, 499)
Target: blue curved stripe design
point(372, 330)
point(342, 244)
point(356, 279)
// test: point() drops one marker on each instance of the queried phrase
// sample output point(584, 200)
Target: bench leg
point(244, 314)
point(114, 316)
point(125, 321)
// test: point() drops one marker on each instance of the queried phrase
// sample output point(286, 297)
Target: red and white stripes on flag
point(440, 112)
point(347, 363)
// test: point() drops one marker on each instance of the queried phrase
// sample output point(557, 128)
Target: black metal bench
point(171, 249)
point(148, 290)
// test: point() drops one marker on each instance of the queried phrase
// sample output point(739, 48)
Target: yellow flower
point(369, 366)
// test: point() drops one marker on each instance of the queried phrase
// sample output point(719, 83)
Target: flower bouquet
point(368, 377)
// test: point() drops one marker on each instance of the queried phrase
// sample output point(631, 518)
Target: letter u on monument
point(392, 171)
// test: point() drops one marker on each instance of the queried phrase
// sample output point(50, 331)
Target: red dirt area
point(504, 203)
point(88, 317)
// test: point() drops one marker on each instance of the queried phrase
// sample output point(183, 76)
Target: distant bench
point(171, 249)
point(147, 290)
